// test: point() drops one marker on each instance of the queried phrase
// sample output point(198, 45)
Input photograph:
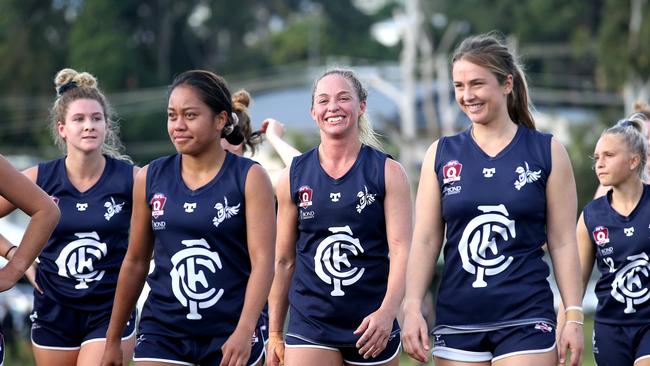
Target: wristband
point(575, 322)
point(573, 308)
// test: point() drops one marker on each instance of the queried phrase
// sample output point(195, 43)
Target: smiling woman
point(92, 186)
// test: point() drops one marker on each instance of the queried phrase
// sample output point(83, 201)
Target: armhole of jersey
point(244, 176)
point(549, 146)
point(436, 162)
point(147, 183)
point(39, 175)
point(382, 172)
point(294, 162)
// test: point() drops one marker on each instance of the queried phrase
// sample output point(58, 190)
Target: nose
point(333, 105)
point(467, 94)
point(88, 124)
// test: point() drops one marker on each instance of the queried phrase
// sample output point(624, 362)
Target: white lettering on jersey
point(189, 282)
point(628, 286)
point(331, 260)
point(78, 257)
point(481, 234)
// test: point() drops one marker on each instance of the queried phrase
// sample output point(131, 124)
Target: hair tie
point(67, 86)
point(627, 123)
point(235, 119)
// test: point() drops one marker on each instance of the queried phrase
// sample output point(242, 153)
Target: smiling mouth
point(334, 119)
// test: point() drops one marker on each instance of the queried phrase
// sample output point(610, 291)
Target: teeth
point(474, 107)
point(334, 119)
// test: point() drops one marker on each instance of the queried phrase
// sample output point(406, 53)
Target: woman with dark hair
point(498, 191)
point(207, 217)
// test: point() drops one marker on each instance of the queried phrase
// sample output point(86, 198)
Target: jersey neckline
point(347, 174)
point(195, 192)
point(637, 208)
point(92, 188)
point(500, 154)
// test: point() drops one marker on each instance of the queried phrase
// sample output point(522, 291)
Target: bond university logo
point(112, 208)
point(630, 286)
point(158, 205)
point(601, 235)
point(365, 199)
point(489, 172)
point(191, 268)
point(331, 260)
point(451, 172)
point(305, 194)
point(489, 230)
point(224, 211)
point(526, 176)
point(77, 259)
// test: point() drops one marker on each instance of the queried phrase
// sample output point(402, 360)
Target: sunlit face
point(84, 128)
point(336, 106)
point(478, 92)
point(192, 126)
point(613, 162)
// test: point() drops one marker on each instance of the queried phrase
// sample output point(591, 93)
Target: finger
point(575, 357)
point(362, 327)
point(562, 352)
point(225, 350)
point(373, 342)
point(424, 339)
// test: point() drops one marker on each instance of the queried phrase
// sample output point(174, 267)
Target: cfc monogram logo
point(629, 287)
point(481, 234)
point(77, 259)
point(189, 282)
point(331, 260)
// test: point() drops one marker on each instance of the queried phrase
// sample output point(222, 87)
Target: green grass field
point(22, 354)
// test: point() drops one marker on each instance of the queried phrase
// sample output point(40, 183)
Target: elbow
point(285, 265)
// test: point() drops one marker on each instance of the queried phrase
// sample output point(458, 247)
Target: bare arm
point(561, 206)
point(260, 231)
point(376, 327)
point(285, 258)
point(133, 271)
point(425, 249)
point(18, 191)
point(274, 132)
point(7, 206)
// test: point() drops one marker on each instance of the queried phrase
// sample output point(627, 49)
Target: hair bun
point(241, 100)
point(67, 77)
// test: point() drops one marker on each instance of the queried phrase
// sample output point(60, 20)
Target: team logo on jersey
point(190, 284)
point(365, 199)
point(629, 231)
point(305, 194)
point(112, 208)
point(481, 234)
point(55, 200)
point(544, 327)
point(489, 172)
point(451, 172)
point(158, 205)
point(82, 206)
point(189, 206)
point(77, 259)
point(335, 197)
point(224, 211)
point(526, 176)
point(601, 235)
point(629, 287)
point(331, 261)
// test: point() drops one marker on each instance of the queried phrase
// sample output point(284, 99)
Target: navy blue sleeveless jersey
point(494, 209)
point(81, 261)
point(342, 260)
point(622, 248)
point(201, 255)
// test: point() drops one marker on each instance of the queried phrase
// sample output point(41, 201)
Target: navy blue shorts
point(620, 345)
point(55, 326)
point(495, 344)
point(204, 351)
point(351, 354)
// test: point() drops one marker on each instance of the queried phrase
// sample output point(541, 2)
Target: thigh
point(310, 355)
point(91, 352)
point(548, 358)
point(50, 357)
point(444, 362)
point(611, 346)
